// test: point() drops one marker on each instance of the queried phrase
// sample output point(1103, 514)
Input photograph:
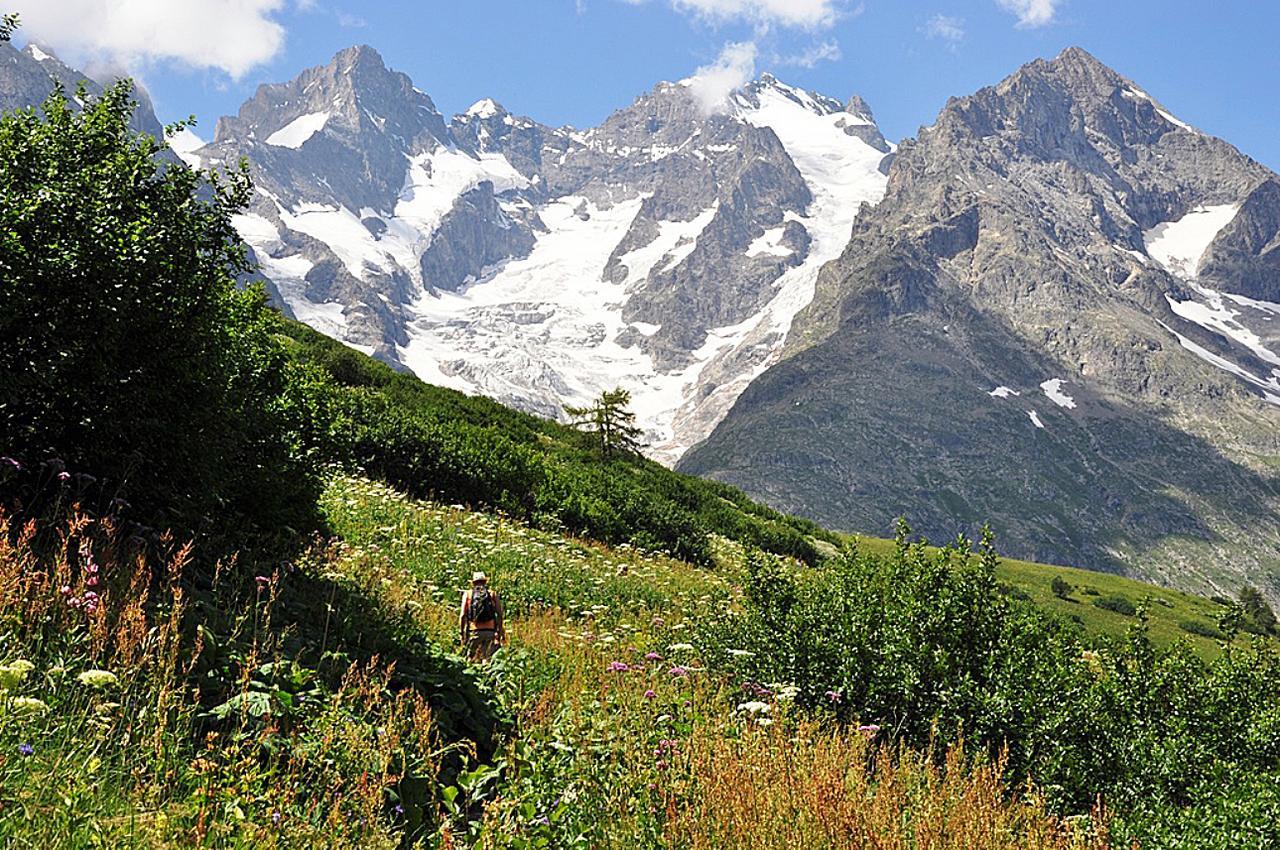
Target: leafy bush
point(1200, 627)
point(130, 355)
point(1061, 588)
point(924, 645)
point(1116, 602)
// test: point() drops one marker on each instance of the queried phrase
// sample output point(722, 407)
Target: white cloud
point(807, 14)
point(1031, 13)
point(230, 35)
point(949, 29)
point(712, 84)
point(827, 51)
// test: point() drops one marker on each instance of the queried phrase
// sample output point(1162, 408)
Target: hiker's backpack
point(483, 607)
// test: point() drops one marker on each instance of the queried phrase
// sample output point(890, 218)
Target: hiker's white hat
point(478, 578)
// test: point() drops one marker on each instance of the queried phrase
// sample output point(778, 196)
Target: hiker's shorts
point(482, 644)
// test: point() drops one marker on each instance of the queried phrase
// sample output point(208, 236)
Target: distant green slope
point(1169, 612)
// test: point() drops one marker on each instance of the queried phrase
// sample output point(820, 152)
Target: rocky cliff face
point(1060, 318)
point(28, 76)
point(665, 251)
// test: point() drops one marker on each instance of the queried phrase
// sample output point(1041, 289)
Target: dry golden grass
point(810, 786)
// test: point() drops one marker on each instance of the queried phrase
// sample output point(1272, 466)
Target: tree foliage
point(131, 357)
point(1256, 610)
point(611, 420)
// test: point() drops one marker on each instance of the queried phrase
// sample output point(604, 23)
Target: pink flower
point(618, 667)
point(679, 672)
point(649, 694)
point(869, 730)
point(652, 656)
point(92, 582)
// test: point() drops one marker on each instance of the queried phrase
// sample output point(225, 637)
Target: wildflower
point(658, 621)
point(869, 729)
point(28, 705)
point(834, 697)
point(741, 653)
point(97, 678)
point(262, 581)
point(399, 810)
point(275, 818)
point(11, 463)
point(64, 476)
point(764, 721)
point(618, 667)
point(754, 707)
point(65, 590)
point(680, 647)
point(14, 672)
point(649, 694)
point(679, 672)
point(652, 656)
point(26, 749)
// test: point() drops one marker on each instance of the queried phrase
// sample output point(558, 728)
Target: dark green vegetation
point(155, 378)
point(130, 355)
point(438, 442)
point(923, 643)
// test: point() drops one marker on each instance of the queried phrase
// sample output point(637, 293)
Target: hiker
point(480, 619)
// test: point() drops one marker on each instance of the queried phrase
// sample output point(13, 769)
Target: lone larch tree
point(611, 420)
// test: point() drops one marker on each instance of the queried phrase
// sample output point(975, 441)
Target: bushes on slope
point(130, 355)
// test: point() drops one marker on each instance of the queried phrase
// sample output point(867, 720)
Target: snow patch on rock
point(297, 131)
point(1053, 389)
point(1179, 245)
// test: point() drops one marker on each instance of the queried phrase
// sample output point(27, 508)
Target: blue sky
point(1213, 64)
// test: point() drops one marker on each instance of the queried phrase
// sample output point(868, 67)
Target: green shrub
point(1117, 603)
point(1201, 628)
point(130, 354)
point(1061, 588)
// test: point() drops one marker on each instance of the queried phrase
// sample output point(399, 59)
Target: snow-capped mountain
point(665, 251)
point(1063, 318)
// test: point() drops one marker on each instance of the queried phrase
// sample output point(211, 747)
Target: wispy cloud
point(946, 28)
point(712, 84)
point(827, 51)
point(764, 14)
point(1031, 13)
point(228, 35)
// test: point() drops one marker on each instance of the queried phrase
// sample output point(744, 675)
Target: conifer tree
point(611, 421)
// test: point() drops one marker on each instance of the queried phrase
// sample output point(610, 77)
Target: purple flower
point(543, 821)
point(64, 476)
point(679, 672)
point(399, 810)
point(618, 667)
point(92, 582)
point(26, 749)
point(835, 697)
point(649, 694)
point(11, 463)
point(652, 656)
point(275, 818)
point(869, 729)
point(262, 581)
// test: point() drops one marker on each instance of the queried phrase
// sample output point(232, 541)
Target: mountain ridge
point(1100, 407)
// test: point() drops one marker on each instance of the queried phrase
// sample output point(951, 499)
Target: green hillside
point(1172, 615)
